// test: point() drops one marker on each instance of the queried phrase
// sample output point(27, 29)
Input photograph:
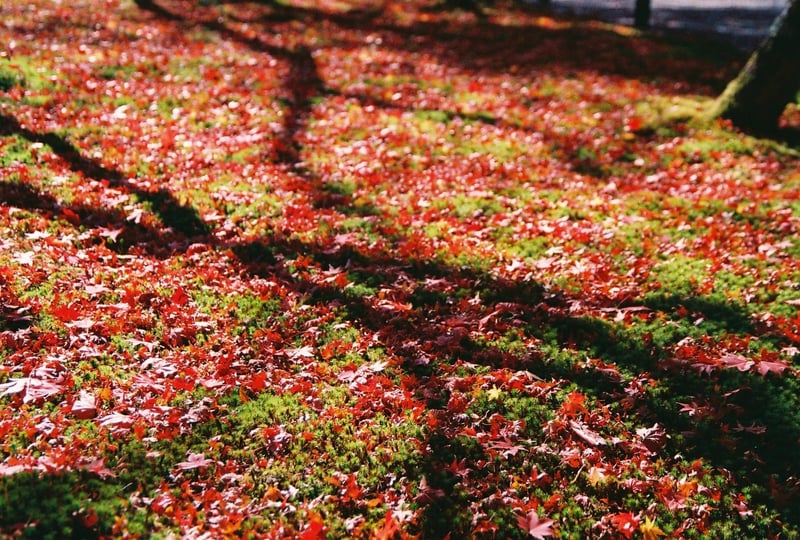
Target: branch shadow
point(175, 216)
point(544, 40)
point(436, 325)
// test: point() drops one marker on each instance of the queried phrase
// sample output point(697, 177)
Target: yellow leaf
point(494, 393)
point(596, 476)
point(650, 530)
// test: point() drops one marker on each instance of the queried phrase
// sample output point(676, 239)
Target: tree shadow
point(178, 217)
point(433, 322)
point(484, 45)
point(435, 326)
point(789, 135)
point(721, 416)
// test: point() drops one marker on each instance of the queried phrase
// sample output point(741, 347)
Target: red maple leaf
point(626, 523)
point(180, 297)
point(389, 529)
point(315, 529)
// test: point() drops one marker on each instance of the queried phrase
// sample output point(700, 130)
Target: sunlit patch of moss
point(9, 78)
point(27, 72)
point(709, 149)
point(96, 369)
point(245, 212)
point(363, 284)
point(364, 227)
point(661, 113)
point(433, 115)
point(436, 229)
point(247, 311)
point(124, 72)
point(680, 275)
point(16, 150)
point(469, 207)
point(533, 248)
point(504, 151)
point(782, 300)
point(306, 455)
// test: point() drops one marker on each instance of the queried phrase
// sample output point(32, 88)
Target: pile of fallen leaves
point(381, 270)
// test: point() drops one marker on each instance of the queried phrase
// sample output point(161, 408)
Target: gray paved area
point(742, 22)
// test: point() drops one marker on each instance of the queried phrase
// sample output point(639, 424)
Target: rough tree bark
point(641, 14)
point(756, 98)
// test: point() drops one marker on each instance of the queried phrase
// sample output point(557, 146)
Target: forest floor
point(355, 270)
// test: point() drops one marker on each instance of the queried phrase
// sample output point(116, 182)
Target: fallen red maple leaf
point(315, 529)
point(588, 436)
point(85, 406)
point(389, 529)
point(34, 389)
point(626, 523)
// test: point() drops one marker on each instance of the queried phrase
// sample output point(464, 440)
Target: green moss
point(25, 71)
point(466, 207)
point(318, 453)
point(248, 311)
point(9, 78)
point(56, 506)
point(15, 150)
point(680, 275)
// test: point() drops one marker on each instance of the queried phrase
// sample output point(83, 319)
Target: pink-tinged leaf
point(83, 324)
point(116, 420)
point(162, 503)
point(752, 428)
point(14, 386)
point(33, 389)
point(764, 367)
point(301, 352)
point(119, 306)
point(8, 470)
point(507, 448)
point(93, 289)
point(110, 234)
point(535, 527)
point(98, 466)
point(85, 406)
point(587, 434)
point(736, 361)
point(212, 383)
point(195, 461)
point(428, 494)
point(25, 258)
point(654, 438)
point(143, 380)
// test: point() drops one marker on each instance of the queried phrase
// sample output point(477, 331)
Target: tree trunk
point(641, 14)
point(757, 97)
